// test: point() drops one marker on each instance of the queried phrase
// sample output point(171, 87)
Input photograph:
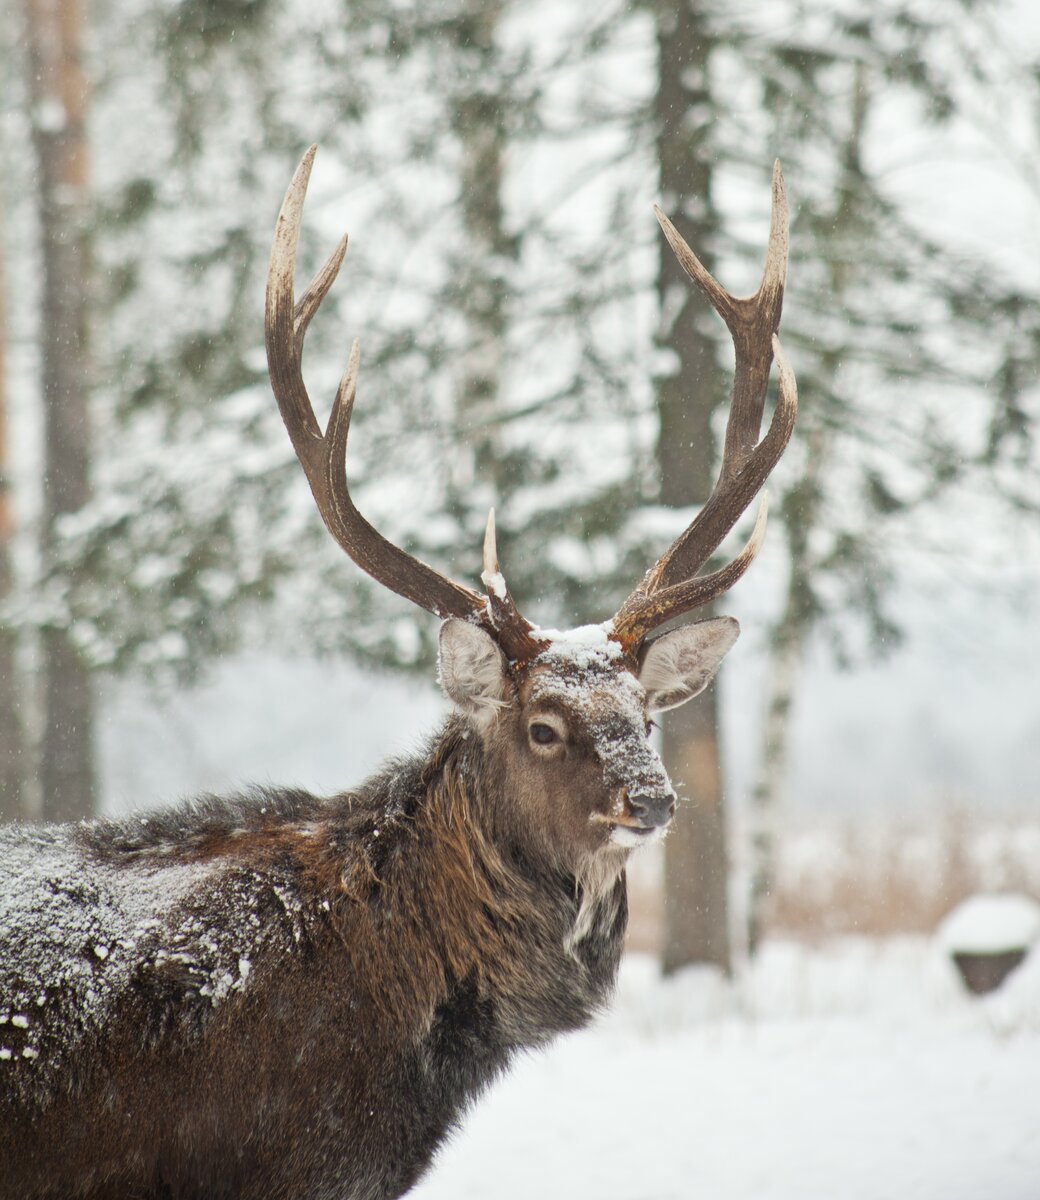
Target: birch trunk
point(482, 283)
point(802, 510)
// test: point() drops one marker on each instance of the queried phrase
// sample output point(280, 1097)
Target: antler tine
point(501, 608)
point(315, 292)
point(283, 352)
point(759, 313)
point(645, 612)
point(323, 457)
point(732, 495)
point(649, 605)
point(514, 633)
point(490, 550)
point(752, 322)
point(670, 587)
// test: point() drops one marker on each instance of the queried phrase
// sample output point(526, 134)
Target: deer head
point(564, 716)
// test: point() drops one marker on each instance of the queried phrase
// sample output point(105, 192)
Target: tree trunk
point(58, 91)
point(13, 757)
point(767, 793)
point(696, 911)
point(801, 511)
point(481, 284)
point(696, 868)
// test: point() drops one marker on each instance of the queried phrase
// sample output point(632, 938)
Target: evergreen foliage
point(494, 165)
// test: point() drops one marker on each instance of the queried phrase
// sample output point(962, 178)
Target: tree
point(505, 322)
point(926, 323)
point(58, 99)
point(448, 321)
point(696, 875)
point(13, 757)
point(801, 515)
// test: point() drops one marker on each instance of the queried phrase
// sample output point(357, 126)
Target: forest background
point(172, 614)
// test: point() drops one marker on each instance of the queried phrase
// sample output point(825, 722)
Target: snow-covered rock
point(990, 924)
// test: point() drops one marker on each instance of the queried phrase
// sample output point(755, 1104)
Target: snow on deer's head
point(570, 730)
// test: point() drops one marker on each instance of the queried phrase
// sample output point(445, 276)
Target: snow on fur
point(82, 922)
point(588, 674)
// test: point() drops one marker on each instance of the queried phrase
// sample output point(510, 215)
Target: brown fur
point(403, 942)
point(280, 997)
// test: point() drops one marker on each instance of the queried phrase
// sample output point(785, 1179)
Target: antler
point(323, 456)
point(672, 587)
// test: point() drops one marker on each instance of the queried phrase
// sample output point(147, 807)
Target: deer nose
point(652, 810)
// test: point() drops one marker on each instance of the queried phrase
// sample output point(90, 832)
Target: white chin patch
point(621, 835)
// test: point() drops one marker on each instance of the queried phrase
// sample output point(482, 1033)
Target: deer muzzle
point(642, 813)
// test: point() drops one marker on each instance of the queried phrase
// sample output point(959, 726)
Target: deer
point(279, 996)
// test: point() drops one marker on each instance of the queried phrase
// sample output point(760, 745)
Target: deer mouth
point(643, 818)
point(630, 834)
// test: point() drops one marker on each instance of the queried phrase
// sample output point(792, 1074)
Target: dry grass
point(901, 878)
point(877, 879)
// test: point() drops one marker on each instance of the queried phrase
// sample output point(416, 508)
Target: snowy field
point(861, 1071)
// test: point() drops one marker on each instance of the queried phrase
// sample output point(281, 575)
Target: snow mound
point(1014, 1008)
point(990, 924)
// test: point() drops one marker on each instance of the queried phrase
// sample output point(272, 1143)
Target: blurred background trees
point(13, 749)
point(58, 94)
point(526, 343)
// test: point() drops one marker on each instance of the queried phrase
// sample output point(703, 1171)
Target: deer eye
point(544, 735)
point(650, 727)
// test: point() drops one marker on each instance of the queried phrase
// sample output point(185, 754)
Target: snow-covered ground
point(856, 1071)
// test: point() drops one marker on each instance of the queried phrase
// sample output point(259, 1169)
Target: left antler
point(323, 456)
point(672, 587)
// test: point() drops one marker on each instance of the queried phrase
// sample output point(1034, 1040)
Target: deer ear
point(680, 664)
point(472, 669)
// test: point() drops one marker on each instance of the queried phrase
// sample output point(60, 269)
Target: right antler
point(323, 456)
point(672, 587)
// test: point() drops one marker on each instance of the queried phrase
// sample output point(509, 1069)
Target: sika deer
point(278, 996)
